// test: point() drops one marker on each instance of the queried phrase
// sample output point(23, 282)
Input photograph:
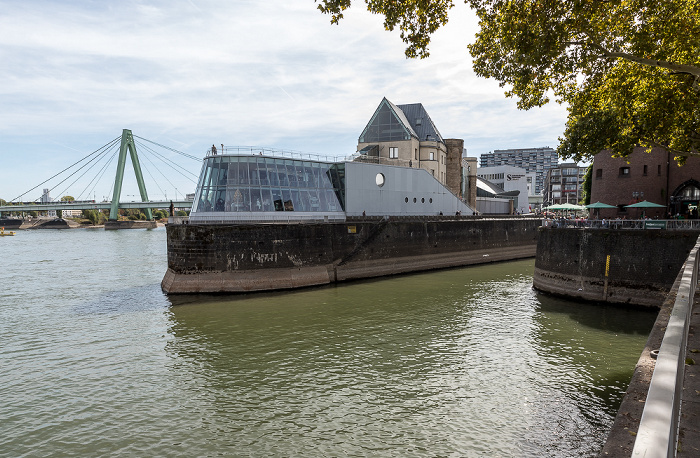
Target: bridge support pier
point(114, 225)
point(128, 143)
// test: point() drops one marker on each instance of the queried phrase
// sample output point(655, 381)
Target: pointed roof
point(413, 119)
point(421, 122)
point(372, 130)
point(402, 116)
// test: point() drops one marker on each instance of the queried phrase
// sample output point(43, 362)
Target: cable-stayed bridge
point(86, 174)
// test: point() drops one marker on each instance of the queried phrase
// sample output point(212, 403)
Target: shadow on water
point(600, 315)
point(127, 300)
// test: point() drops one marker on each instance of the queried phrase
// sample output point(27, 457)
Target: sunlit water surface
point(96, 360)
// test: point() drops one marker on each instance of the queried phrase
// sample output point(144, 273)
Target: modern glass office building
point(257, 183)
point(268, 186)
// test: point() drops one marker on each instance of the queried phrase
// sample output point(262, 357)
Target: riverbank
point(623, 433)
point(70, 223)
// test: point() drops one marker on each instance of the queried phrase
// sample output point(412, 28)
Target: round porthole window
point(406, 199)
point(431, 200)
point(422, 200)
point(379, 179)
point(414, 200)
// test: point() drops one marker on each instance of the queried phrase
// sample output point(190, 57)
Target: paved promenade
point(689, 435)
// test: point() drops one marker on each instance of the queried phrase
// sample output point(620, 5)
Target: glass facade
point(265, 184)
point(385, 127)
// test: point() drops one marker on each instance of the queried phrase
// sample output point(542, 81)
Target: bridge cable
point(97, 177)
point(105, 170)
point(78, 162)
point(98, 158)
point(159, 171)
point(151, 175)
point(168, 162)
point(198, 159)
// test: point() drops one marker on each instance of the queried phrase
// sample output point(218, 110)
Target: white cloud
point(189, 73)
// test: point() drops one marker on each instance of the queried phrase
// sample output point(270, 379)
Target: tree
point(586, 187)
point(67, 199)
point(629, 70)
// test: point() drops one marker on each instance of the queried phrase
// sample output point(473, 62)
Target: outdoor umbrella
point(566, 206)
point(597, 206)
point(645, 204)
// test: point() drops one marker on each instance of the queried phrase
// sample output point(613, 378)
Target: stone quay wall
point(208, 258)
point(642, 267)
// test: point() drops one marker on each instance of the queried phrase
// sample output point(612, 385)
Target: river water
point(96, 361)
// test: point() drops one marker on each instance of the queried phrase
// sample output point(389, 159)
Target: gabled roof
point(426, 130)
point(402, 116)
point(371, 130)
point(412, 118)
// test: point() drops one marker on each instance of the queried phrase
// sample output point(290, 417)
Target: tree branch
point(605, 54)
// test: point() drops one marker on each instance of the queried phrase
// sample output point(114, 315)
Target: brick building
point(654, 177)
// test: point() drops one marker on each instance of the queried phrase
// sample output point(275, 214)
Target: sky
point(190, 73)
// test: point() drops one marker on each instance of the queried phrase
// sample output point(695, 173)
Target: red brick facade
point(653, 176)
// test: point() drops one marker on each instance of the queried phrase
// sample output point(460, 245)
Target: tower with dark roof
point(404, 135)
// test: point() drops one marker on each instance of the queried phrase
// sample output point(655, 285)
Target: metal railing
point(272, 152)
point(298, 155)
point(657, 435)
point(672, 224)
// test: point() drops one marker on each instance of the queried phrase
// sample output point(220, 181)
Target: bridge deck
point(95, 205)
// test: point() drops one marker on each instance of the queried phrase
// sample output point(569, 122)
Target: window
point(432, 156)
point(658, 169)
point(599, 173)
point(379, 179)
point(393, 152)
point(645, 171)
point(624, 171)
point(690, 192)
point(416, 153)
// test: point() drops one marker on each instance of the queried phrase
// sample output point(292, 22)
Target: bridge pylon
point(128, 143)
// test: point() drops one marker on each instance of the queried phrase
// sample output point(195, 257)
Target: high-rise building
point(536, 160)
point(564, 184)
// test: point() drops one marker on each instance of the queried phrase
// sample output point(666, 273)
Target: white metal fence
point(672, 224)
point(658, 430)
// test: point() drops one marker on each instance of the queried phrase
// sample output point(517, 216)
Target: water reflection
point(453, 362)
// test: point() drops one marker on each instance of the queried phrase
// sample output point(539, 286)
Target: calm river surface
point(96, 361)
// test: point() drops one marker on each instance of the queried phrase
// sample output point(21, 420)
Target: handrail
point(649, 224)
point(271, 152)
point(657, 435)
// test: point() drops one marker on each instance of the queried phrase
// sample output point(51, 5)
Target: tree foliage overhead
point(629, 70)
